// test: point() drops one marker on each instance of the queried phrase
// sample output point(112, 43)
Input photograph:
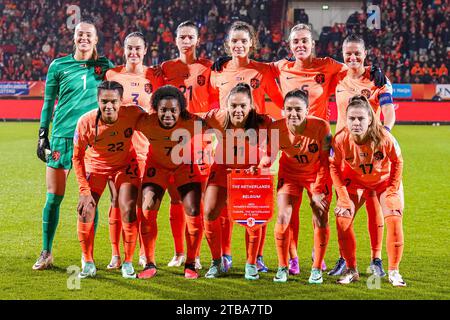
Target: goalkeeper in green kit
point(72, 80)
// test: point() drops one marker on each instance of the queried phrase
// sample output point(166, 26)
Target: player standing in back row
point(73, 81)
point(190, 75)
point(240, 43)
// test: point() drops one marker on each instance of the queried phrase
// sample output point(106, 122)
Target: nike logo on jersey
point(223, 83)
point(191, 176)
point(289, 78)
point(65, 72)
point(348, 159)
point(340, 91)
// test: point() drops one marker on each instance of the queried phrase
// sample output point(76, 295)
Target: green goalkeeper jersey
point(74, 83)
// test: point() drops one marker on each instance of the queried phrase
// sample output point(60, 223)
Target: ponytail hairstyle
point(353, 38)
point(136, 34)
point(299, 94)
point(189, 24)
point(299, 27)
point(106, 85)
point(170, 92)
point(95, 55)
point(375, 131)
point(254, 119)
point(243, 26)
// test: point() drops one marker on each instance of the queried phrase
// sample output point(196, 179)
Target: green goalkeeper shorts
point(62, 151)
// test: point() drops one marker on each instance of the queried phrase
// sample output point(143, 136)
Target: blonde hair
point(375, 131)
point(299, 27)
point(242, 26)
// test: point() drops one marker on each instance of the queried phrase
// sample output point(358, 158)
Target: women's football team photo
point(114, 125)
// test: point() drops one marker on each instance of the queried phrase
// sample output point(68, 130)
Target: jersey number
point(132, 170)
point(305, 88)
point(135, 98)
point(114, 147)
point(83, 77)
point(184, 89)
point(301, 158)
point(363, 168)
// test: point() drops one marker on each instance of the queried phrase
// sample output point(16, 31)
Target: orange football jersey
point(354, 165)
point(348, 87)
point(104, 148)
point(305, 155)
point(194, 81)
point(161, 143)
point(257, 75)
point(138, 90)
point(317, 80)
point(243, 150)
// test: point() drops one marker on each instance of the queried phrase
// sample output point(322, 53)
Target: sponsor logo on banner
point(14, 88)
point(250, 198)
point(402, 91)
point(443, 90)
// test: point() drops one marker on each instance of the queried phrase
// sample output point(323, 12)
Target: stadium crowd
point(412, 46)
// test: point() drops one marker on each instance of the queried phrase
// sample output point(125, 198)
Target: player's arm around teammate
point(72, 79)
point(103, 151)
point(305, 143)
point(240, 43)
point(357, 80)
point(170, 120)
point(367, 157)
point(239, 116)
point(191, 75)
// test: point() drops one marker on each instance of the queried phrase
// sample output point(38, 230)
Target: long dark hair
point(299, 94)
point(243, 26)
point(254, 119)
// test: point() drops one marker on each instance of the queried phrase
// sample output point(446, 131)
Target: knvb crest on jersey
point(148, 88)
point(201, 80)
point(98, 70)
point(254, 83)
point(378, 155)
point(320, 78)
point(128, 132)
point(366, 93)
point(313, 147)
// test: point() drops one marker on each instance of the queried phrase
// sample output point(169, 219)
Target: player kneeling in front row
point(366, 157)
point(102, 152)
point(305, 144)
point(170, 120)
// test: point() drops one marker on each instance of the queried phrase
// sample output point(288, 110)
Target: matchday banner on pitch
point(22, 88)
point(250, 198)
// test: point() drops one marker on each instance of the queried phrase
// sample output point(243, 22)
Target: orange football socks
point(115, 229)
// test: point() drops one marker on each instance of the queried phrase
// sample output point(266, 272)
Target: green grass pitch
point(425, 265)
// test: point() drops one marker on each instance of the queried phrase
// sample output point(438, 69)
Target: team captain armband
point(385, 98)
